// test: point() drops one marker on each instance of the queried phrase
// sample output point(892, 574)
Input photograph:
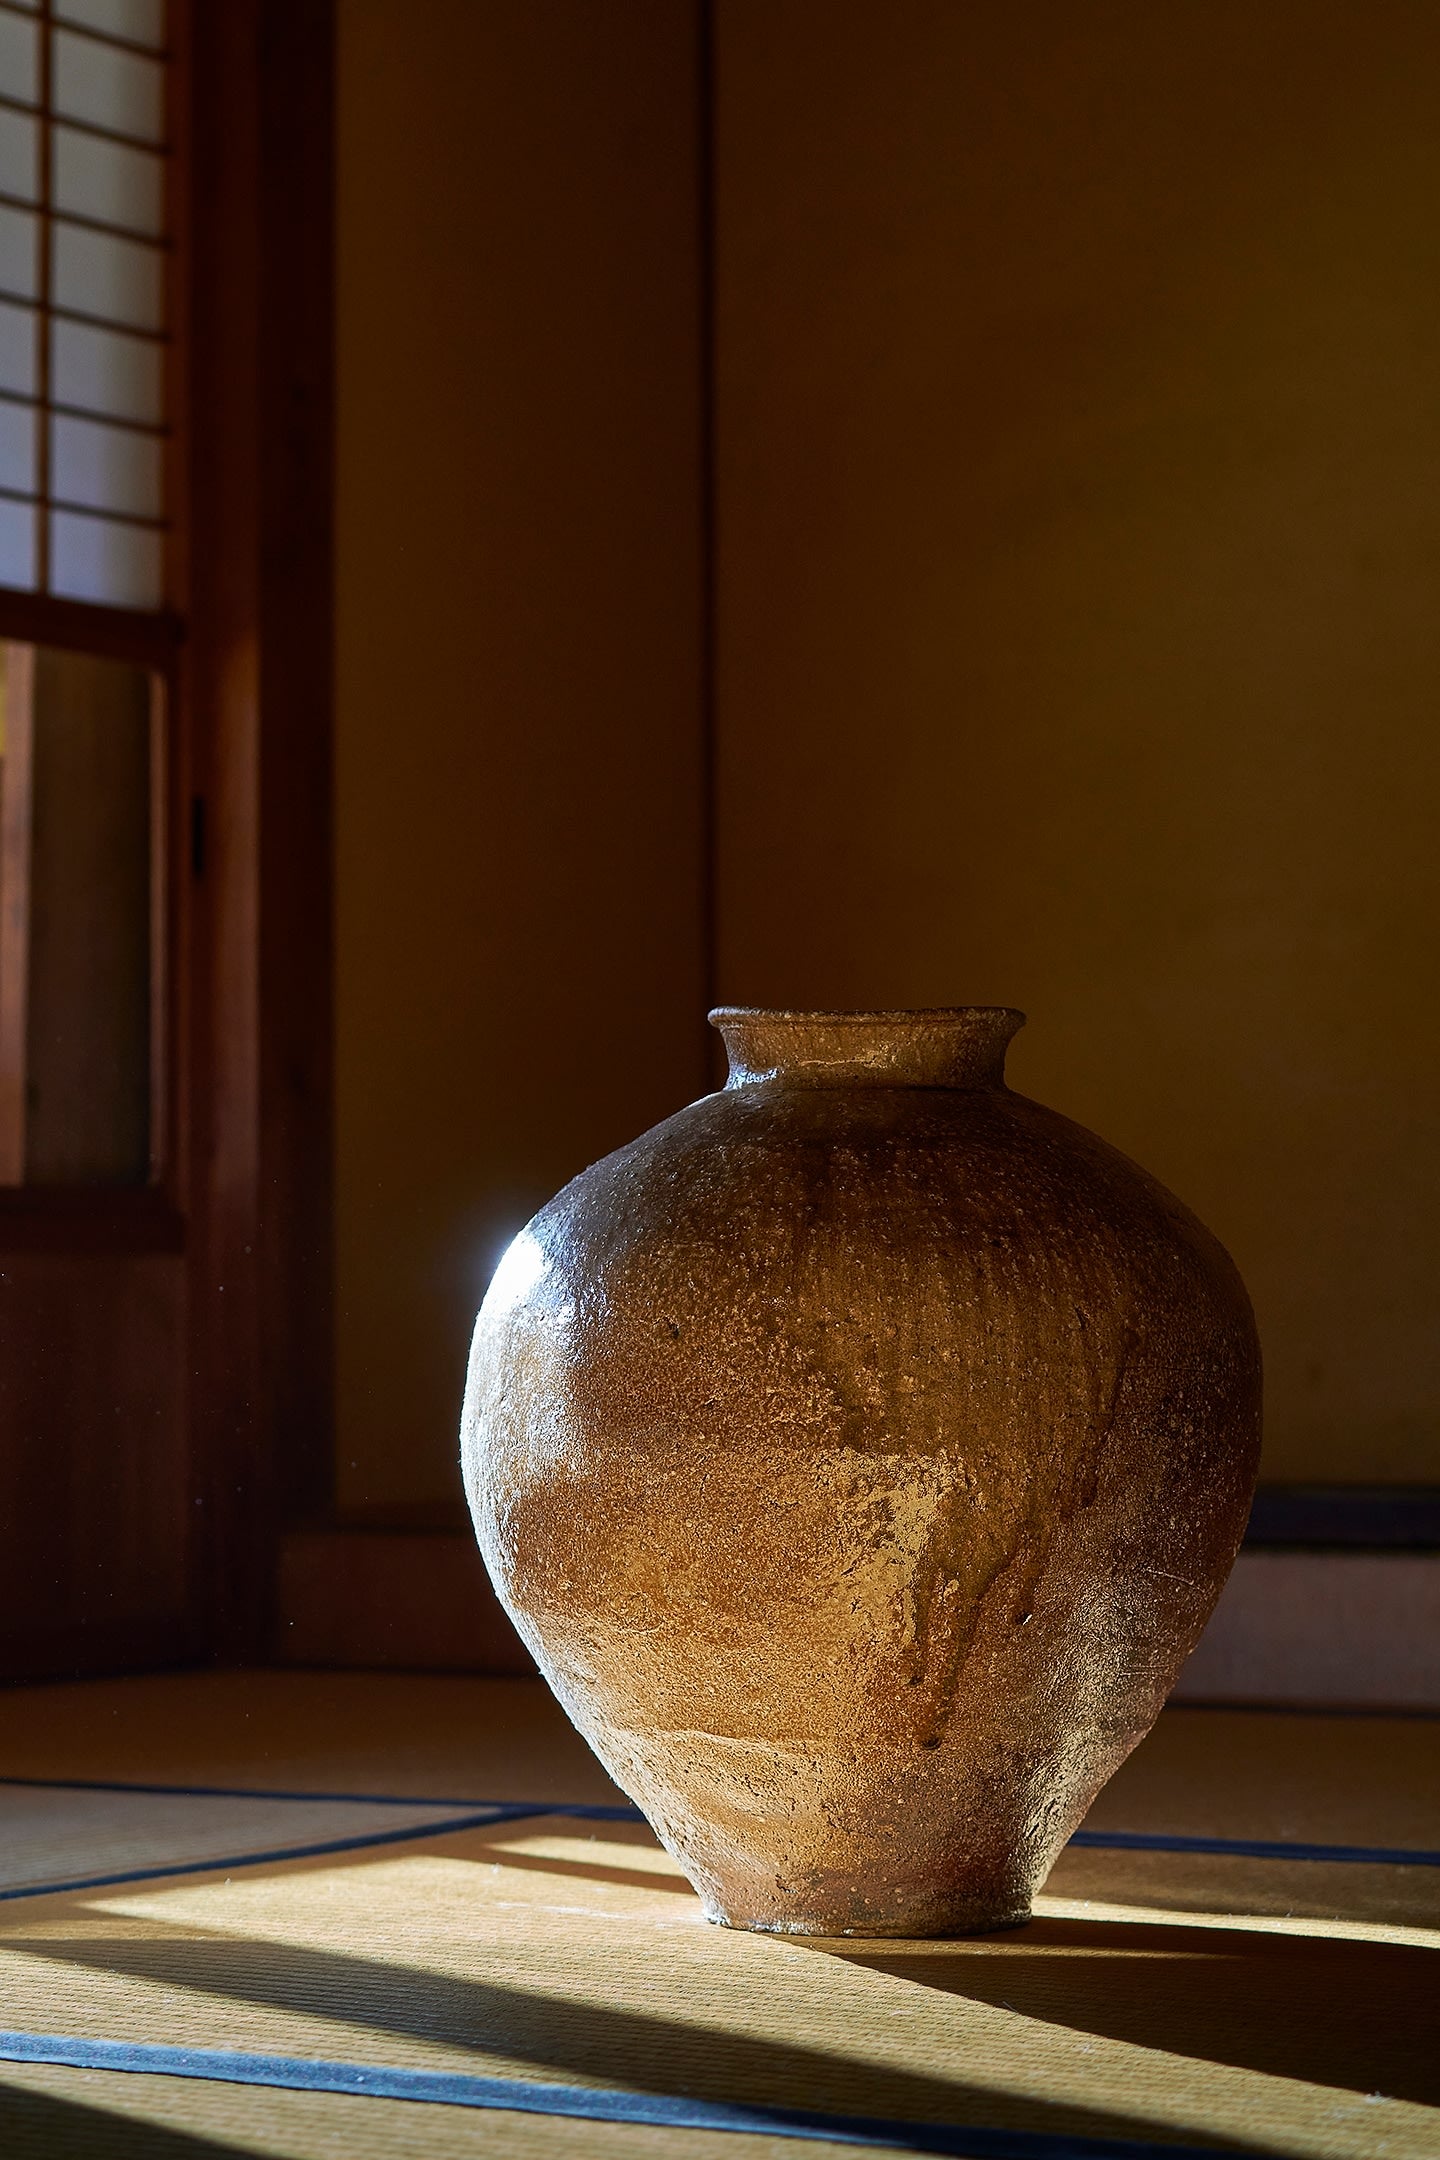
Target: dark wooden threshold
point(97, 1649)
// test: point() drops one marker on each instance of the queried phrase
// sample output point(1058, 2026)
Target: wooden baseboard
point(1375, 1518)
point(1333, 1629)
point(392, 1599)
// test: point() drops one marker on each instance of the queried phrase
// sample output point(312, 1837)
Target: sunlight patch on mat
point(1317, 1929)
point(1377, 1903)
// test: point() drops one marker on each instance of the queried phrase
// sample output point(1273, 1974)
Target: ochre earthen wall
point(1079, 460)
point(517, 741)
point(1078, 495)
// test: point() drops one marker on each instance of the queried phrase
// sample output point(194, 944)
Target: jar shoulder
point(765, 1167)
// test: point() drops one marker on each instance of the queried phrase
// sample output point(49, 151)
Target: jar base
point(922, 1927)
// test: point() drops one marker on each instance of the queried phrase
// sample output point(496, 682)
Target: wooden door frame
point(245, 651)
point(259, 686)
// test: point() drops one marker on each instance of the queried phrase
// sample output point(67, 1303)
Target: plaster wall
point(518, 951)
point(1078, 512)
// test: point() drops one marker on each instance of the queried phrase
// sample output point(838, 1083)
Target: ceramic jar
point(860, 1452)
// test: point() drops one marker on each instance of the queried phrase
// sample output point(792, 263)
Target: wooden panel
point(95, 1502)
point(392, 1599)
point(88, 1024)
point(16, 788)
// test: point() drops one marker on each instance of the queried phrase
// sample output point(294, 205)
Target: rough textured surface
point(860, 1452)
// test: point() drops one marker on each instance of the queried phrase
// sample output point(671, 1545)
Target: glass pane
point(105, 371)
point(107, 180)
point(119, 279)
point(142, 21)
point(75, 900)
point(17, 446)
point(18, 328)
point(19, 59)
point(17, 548)
point(19, 231)
point(19, 155)
point(106, 468)
point(107, 87)
point(96, 559)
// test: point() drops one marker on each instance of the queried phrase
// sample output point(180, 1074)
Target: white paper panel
point(17, 545)
point(19, 233)
point(142, 21)
point(105, 467)
point(105, 371)
point(107, 180)
point(107, 80)
point(122, 280)
point(96, 559)
point(109, 88)
point(19, 155)
point(19, 59)
point(18, 330)
point(17, 445)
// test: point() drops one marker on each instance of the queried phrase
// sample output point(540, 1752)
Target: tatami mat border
point(583, 2103)
point(606, 1811)
point(492, 1811)
point(1374, 1713)
point(356, 1842)
point(1253, 1848)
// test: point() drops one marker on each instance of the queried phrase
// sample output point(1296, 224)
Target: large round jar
point(860, 1453)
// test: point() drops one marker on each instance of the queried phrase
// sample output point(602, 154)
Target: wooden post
point(16, 774)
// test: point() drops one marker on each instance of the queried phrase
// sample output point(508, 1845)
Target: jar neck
point(960, 1046)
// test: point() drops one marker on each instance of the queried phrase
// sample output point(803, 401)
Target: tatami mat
point(1191, 1998)
point(58, 1835)
point(423, 1734)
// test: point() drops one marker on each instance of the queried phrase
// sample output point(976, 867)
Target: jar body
point(860, 1462)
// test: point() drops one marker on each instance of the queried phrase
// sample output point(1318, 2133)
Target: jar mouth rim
point(926, 1015)
point(935, 1046)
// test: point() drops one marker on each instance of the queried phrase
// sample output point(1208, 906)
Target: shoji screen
point(84, 98)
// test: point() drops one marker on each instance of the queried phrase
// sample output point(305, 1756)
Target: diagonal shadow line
point(1334, 2012)
point(582, 1870)
point(41, 2125)
point(628, 2047)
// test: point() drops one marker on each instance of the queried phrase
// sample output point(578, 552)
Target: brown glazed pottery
point(860, 1453)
